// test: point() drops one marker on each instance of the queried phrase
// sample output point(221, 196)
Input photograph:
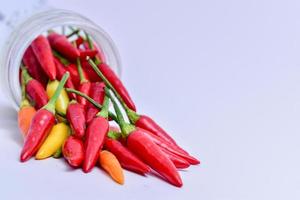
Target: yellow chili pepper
point(63, 99)
point(54, 141)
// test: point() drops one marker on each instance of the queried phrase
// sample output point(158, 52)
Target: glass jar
point(38, 23)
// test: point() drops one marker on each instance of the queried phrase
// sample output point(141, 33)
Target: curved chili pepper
point(111, 165)
point(172, 149)
point(127, 159)
point(60, 69)
point(34, 90)
point(93, 76)
point(89, 44)
point(143, 146)
point(41, 124)
point(109, 77)
point(33, 66)
point(61, 44)
point(76, 117)
point(97, 93)
point(54, 141)
point(79, 41)
point(95, 134)
point(73, 151)
point(43, 53)
point(179, 162)
point(150, 153)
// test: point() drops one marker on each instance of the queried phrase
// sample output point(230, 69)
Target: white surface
point(222, 76)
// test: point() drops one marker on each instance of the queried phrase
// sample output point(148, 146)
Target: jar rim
point(39, 23)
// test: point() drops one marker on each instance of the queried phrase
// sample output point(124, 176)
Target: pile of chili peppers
point(67, 92)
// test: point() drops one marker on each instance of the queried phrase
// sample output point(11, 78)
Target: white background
point(223, 77)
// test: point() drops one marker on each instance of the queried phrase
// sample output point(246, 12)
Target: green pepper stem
point(125, 127)
point(74, 32)
point(50, 106)
point(91, 46)
point(24, 101)
point(79, 69)
point(105, 107)
point(113, 135)
point(132, 115)
point(92, 101)
point(25, 75)
point(60, 58)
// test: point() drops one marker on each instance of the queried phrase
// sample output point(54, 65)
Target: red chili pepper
point(126, 158)
point(95, 134)
point(43, 53)
point(171, 148)
point(93, 76)
point(144, 147)
point(35, 90)
point(79, 41)
point(99, 50)
point(179, 162)
point(76, 117)
point(33, 66)
point(84, 88)
point(72, 69)
point(97, 93)
point(41, 124)
point(61, 44)
point(89, 52)
point(73, 151)
point(60, 69)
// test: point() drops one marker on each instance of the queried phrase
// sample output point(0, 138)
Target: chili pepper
point(41, 124)
point(60, 69)
point(61, 44)
point(97, 93)
point(72, 69)
point(43, 53)
point(93, 76)
point(170, 148)
point(54, 141)
point(127, 159)
point(34, 90)
point(25, 113)
point(111, 165)
point(89, 44)
point(33, 66)
point(79, 41)
point(76, 117)
point(97, 105)
point(95, 133)
point(113, 82)
point(179, 162)
point(84, 86)
point(73, 151)
point(63, 99)
point(89, 52)
point(143, 146)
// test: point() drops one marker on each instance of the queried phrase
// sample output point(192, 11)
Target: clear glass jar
point(33, 26)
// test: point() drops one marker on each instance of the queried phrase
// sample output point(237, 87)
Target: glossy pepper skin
point(100, 54)
point(169, 148)
point(180, 163)
point(73, 151)
point(60, 69)
point(54, 141)
point(84, 88)
point(63, 99)
point(72, 69)
point(85, 53)
point(117, 84)
point(150, 153)
point(36, 93)
point(40, 127)
point(93, 77)
point(33, 66)
point(25, 115)
point(43, 53)
point(61, 44)
point(126, 158)
point(76, 117)
point(97, 93)
point(96, 131)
